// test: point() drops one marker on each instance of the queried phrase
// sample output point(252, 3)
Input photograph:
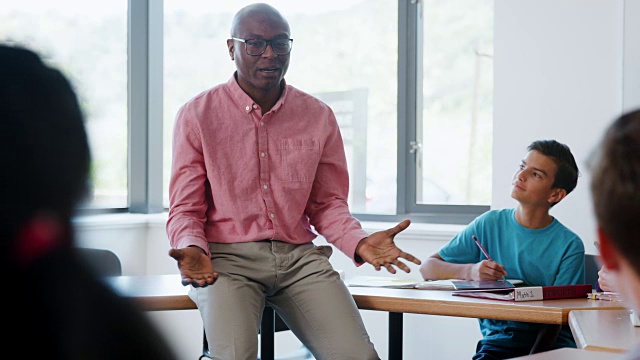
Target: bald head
point(260, 64)
point(256, 12)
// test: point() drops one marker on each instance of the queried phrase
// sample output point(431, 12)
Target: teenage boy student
point(524, 242)
point(259, 168)
point(615, 189)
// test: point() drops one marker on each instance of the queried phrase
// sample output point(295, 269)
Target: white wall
point(631, 87)
point(558, 74)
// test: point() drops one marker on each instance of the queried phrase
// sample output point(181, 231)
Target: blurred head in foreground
point(44, 157)
point(65, 310)
point(615, 189)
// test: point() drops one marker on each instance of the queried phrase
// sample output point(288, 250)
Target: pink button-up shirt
point(240, 176)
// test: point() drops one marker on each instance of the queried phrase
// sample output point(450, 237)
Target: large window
point(451, 150)
point(88, 42)
point(410, 83)
point(454, 166)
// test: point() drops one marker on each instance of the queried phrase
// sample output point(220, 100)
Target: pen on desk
point(483, 250)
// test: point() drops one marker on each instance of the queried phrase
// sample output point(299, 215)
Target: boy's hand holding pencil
point(487, 270)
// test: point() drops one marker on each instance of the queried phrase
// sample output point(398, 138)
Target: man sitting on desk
point(258, 172)
point(615, 188)
point(526, 243)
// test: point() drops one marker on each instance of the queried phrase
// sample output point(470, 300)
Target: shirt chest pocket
point(300, 159)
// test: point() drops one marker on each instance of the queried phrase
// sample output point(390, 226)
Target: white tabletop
point(571, 354)
point(609, 330)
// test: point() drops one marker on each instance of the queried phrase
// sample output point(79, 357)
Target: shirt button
point(265, 186)
point(255, 106)
point(262, 154)
point(261, 123)
point(247, 108)
point(272, 215)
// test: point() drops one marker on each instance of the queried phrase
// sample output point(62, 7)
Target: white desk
point(610, 331)
point(571, 354)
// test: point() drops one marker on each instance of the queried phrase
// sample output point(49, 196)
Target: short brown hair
point(615, 185)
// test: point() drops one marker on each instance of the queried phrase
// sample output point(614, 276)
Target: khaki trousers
point(298, 282)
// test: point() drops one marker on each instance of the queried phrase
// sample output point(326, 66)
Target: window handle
point(414, 147)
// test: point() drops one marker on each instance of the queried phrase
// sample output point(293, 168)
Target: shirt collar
point(245, 102)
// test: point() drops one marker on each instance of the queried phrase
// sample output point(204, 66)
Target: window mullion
point(407, 109)
point(145, 106)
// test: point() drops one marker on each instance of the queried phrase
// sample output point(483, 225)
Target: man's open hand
point(380, 250)
point(195, 266)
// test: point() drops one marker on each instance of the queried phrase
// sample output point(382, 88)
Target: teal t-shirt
point(553, 255)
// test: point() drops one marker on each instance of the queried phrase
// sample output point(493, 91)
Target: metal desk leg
point(395, 336)
point(267, 329)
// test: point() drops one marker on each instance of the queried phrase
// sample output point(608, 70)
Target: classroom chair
point(591, 268)
point(104, 262)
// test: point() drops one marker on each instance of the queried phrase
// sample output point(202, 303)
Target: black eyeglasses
point(257, 47)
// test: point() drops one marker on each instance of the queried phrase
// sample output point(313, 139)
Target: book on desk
point(451, 284)
point(530, 293)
